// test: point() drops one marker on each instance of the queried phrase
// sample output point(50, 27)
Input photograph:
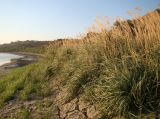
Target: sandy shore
point(27, 54)
point(28, 58)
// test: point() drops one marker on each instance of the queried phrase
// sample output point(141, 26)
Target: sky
point(53, 19)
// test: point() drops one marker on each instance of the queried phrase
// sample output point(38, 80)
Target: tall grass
point(118, 70)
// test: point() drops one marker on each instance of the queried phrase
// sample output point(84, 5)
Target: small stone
point(83, 105)
point(71, 106)
point(92, 113)
point(76, 115)
point(60, 99)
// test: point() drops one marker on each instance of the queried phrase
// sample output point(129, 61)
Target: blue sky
point(52, 19)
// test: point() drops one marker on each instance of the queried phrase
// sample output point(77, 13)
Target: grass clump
point(24, 83)
point(22, 114)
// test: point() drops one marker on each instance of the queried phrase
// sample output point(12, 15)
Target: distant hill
point(24, 46)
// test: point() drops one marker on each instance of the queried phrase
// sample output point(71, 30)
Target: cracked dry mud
point(74, 109)
point(53, 107)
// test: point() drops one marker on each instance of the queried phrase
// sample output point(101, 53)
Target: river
point(6, 58)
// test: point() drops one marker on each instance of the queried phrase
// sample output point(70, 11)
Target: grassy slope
point(116, 71)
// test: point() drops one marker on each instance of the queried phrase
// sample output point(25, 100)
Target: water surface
point(6, 58)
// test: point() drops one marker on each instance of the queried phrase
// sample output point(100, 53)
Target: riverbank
point(27, 54)
point(28, 58)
